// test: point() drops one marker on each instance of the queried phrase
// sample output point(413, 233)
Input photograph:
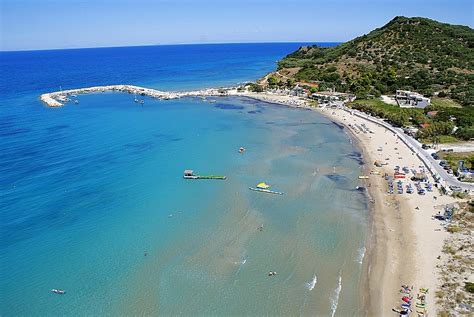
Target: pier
point(59, 98)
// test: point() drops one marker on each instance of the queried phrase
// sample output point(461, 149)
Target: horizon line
point(163, 44)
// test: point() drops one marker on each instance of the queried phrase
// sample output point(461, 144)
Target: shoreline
point(402, 240)
point(400, 235)
point(376, 240)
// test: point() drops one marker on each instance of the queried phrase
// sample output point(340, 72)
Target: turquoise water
point(93, 201)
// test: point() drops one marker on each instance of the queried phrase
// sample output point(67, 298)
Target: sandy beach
point(406, 236)
point(404, 240)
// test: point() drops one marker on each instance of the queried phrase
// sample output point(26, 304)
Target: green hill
point(407, 53)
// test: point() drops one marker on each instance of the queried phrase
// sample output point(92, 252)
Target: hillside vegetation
point(407, 53)
point(447, 125)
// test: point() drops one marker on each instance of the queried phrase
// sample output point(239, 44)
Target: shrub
point(453, 229)
point(469, 287)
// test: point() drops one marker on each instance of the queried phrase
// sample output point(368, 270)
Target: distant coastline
point(165, 44)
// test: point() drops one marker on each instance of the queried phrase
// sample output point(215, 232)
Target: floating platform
point(189, 174)
point(268, 191)
point(205, 177)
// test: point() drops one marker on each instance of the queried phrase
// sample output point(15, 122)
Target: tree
point(290, 83)
point(442, 94)
point(272, 81)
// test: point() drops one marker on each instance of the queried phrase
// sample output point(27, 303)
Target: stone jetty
point(59, 98)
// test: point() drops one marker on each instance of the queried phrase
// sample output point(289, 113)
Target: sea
point(93, 199)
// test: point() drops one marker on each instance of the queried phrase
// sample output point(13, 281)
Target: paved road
point(433, 166)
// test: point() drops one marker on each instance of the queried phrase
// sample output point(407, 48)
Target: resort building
point(328, 96)
point(298, 91)
point(409, 99)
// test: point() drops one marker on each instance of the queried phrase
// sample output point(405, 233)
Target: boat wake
point(310, 285)
point(240, 264)
point(335, 297)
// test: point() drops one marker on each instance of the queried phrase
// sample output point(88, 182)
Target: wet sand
point(404, 241)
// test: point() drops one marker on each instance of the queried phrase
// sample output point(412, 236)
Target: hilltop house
point(409, 99)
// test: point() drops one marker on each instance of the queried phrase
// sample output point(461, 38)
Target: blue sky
point(45, 24)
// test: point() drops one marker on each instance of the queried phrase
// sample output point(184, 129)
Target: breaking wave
point(335, 298)
point(360, 255)
point(310, 285)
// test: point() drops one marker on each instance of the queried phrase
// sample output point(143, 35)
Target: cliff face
point(407, 53)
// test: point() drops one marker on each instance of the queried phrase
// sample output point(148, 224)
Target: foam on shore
point(335, 298)
point(311, 284)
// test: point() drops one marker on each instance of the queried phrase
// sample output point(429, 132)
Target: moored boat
point(58, 291)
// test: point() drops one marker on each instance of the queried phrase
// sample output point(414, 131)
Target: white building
point(329, 96)
point(409, 99)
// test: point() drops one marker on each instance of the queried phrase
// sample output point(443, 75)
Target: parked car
point(455, 188)
point(425, 146)
point(435, 156)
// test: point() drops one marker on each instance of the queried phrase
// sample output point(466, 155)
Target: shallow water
point(93, 201)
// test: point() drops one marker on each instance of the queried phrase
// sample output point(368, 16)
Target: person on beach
point(401, 312)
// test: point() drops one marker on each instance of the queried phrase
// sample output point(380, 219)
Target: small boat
point(76, 101)
point(142, 102)
point(268, 191)
point(363, 177)
point(58, 291)
point(241, 150)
